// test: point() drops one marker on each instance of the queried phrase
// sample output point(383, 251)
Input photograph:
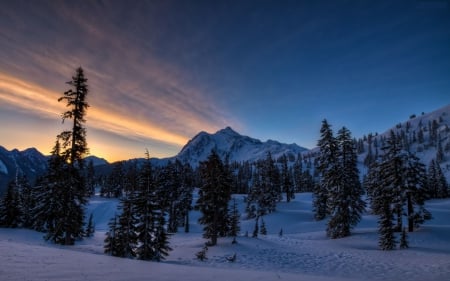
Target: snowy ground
point(302, 253)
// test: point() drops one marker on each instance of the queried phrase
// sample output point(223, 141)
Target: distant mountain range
point(425, 134)
point(30, 162)
point(236, 147)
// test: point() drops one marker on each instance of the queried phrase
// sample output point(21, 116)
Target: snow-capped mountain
point(236, 147)
point(29, 162)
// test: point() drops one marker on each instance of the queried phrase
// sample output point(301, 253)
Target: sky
point(161, 71)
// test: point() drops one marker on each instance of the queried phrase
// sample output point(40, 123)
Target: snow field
point(302, 253)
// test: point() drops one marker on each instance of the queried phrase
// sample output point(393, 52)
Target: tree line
point(155, 201)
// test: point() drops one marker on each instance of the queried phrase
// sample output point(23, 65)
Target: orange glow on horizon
point(43, 102)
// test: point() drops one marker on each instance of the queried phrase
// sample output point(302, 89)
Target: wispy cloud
point(134, 93)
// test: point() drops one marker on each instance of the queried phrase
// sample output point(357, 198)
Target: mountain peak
point(229, 143)
point(228, 131)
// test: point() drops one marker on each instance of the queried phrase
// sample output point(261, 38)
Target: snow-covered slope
point(424, 134)
point(236, 147)
point(302, 253)
point(29, 162)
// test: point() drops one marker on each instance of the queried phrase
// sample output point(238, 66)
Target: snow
point(302, 253)
point(3, 168)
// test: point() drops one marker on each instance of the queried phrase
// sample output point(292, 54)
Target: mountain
point(426, 135)
point(236, 147)
point(29, 162)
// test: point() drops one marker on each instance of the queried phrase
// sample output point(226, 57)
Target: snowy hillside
point(29, 162)
point(302, 253)
point(425, 135)
point(236, 147)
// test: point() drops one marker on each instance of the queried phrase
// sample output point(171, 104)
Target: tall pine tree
point(214, 195)
point(328, 168)
point(73, 149)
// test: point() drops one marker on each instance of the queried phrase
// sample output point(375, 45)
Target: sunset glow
point(159, 72)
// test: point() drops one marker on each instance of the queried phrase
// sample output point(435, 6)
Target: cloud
point(43, 102)
point(136, 90)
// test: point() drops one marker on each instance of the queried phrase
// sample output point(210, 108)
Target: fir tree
point(126, 227)
point(214, 195)
point(234, 221)
point(328, 168)
point(111, 241)
point(286, 179)
point(403, 177)
point(74, 148)
point(385, 228)
point(344, 198)
point(10, 211)
point(151, 235)
point(48, 213)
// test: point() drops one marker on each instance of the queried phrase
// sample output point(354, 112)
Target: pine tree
point(286, 179)
point(214, 195)
point(26, 200)
point(234, 221)
point(145, 206)
point(328, 168)
point(10, 211)
point(48, 213)
point(161, 239)
point(298, 174)
point(126, 230)
point(385, 228)
point(344, 198)
point(111, 242)
point(403, 177)
point(73, 150)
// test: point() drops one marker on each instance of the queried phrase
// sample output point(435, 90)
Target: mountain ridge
point(236, 147)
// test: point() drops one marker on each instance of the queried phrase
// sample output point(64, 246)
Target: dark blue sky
point(160, 71)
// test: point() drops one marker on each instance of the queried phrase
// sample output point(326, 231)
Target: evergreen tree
point(403, 177)
point(385, 228)
point(10, 211)
point(214, 195)
point(48, 213)
point(126, 227)
point(344, 198)
point(286, 179)
point(328, 168)
point(111, 241)
point(234, 220)
point(115, 182)
point(74, 148)
point(26, 200)
point(298, 174)
point(151, 235)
